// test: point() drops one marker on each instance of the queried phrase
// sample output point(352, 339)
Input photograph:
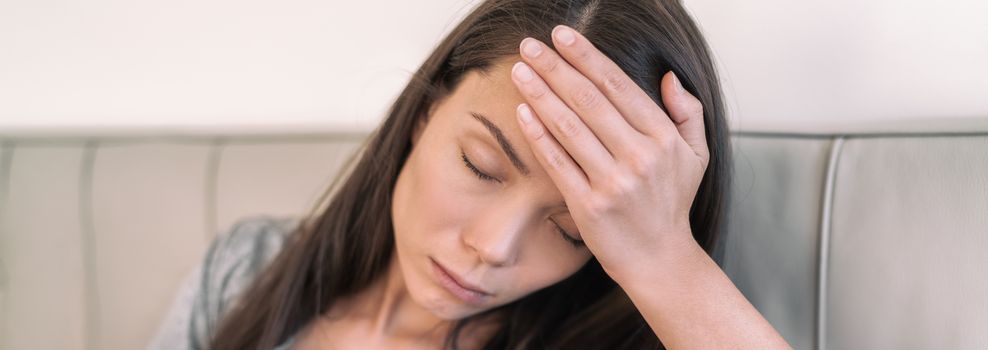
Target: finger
point(631, 101)
point(583, 97)
point(563, 171)
point(686, 112)
point(566, 127)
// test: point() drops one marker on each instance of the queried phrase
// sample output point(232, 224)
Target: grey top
point(233, 259)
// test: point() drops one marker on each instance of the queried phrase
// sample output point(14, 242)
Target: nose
point(496, 235)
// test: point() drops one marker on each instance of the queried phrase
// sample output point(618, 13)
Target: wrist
point(674, 255)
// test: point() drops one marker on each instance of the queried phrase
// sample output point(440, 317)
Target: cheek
point(550, 262)
point(429, 207)
point(432, 198)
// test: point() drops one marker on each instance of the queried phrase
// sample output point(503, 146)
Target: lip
point(467, 292)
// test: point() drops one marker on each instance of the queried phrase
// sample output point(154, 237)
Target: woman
point(561, 202)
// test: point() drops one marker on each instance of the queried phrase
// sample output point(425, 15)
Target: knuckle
point(624, 185)
point(555, 160)
point(537, 133)
point(568, 127)
point(596, 206)
point(586, 99)
point(641, 164)
point(618, 186)
point(668, 143)
point(550, 65)
point(538, 92)
point(615, 82)
point(693, 107)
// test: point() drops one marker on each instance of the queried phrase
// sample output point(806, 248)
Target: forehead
point(484, 105)
point(492, 90)
point(493, 95)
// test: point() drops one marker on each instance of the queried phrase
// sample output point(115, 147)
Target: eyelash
point(476, 171)
point(485, 177)
point(575, 242)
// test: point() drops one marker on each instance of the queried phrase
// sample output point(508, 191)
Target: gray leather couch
point(857, 236)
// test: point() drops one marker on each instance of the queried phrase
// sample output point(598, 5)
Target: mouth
point(455, 285)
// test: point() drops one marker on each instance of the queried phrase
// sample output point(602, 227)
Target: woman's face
point(499, 234)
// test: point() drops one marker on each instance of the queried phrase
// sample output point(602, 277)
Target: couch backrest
point(842, 240)
point(864, 241)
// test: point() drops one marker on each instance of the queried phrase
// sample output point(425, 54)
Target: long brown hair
point(347, 240)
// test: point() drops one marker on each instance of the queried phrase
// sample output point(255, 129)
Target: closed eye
point(480, 174)
point(575, 242)
point(476, 171)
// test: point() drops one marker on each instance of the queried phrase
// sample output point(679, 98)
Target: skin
point(604, 162)
point(498, 234)
point(630, 172)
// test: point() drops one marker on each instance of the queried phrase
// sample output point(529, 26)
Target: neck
point(386, 313)
point(391, 313)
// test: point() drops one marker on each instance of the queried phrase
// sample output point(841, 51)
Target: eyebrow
point(506, 146)
point(508, 149)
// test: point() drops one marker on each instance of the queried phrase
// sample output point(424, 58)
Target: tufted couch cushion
point(858, 237)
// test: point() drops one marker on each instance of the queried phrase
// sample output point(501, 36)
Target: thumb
point(686, 112)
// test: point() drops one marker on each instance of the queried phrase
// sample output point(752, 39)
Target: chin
point(444, 308)
point(427, 293)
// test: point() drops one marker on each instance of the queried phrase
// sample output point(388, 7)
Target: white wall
point(71, 67)
point(193, 63)
point(786, 62)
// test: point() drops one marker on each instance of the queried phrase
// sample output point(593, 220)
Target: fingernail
point(530, 48)
point(524, 113)
point(678, 84)
point(522, 71)
point(564, 35)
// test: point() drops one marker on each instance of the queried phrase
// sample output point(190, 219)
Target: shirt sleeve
point(230, 264)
